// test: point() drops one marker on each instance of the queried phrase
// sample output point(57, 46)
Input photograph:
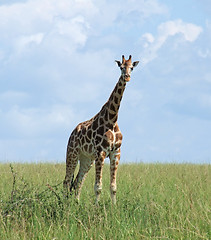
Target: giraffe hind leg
point(85, 165)
point(71, 163)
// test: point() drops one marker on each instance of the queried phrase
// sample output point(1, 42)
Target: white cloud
point(37, 122)
point(67, 24)
point(188, 31)
point(36, 38)
point(24, 41)
point(131, 12)
point(55, 24)
point(58, 69)
point(204, 54)
point(74, 29)
point(147, 39)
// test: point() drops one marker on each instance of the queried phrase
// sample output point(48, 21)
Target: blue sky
point(57, 69)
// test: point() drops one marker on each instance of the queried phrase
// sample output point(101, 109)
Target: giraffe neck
point(110, 110)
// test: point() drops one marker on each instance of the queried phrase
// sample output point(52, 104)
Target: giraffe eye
point(132, 69)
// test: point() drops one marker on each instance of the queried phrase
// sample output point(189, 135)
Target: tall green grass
point(154, 201)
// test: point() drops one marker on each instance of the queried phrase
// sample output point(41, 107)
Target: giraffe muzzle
point(127, 77)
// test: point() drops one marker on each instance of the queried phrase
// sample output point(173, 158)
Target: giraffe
point(96, 139)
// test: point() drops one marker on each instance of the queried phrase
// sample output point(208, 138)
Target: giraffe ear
point(135, 63)
point(118, 63)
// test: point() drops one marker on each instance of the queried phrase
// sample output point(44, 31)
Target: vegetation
point(154, 201)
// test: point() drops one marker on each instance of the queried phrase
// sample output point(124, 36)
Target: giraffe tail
point(72, 185)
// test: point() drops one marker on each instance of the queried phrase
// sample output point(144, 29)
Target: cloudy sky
point(57, 69)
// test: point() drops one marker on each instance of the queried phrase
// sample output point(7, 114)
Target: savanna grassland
point(154, 201)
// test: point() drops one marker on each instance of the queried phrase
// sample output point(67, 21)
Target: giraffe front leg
point(114, 161)
point(99, 163)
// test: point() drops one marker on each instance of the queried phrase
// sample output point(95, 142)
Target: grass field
point(154, 201)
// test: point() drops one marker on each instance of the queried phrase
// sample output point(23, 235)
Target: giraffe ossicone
point(96, 139)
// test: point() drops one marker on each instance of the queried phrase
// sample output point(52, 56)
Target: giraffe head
point(126, 67)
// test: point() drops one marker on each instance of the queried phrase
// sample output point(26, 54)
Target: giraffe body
point(96, 139)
